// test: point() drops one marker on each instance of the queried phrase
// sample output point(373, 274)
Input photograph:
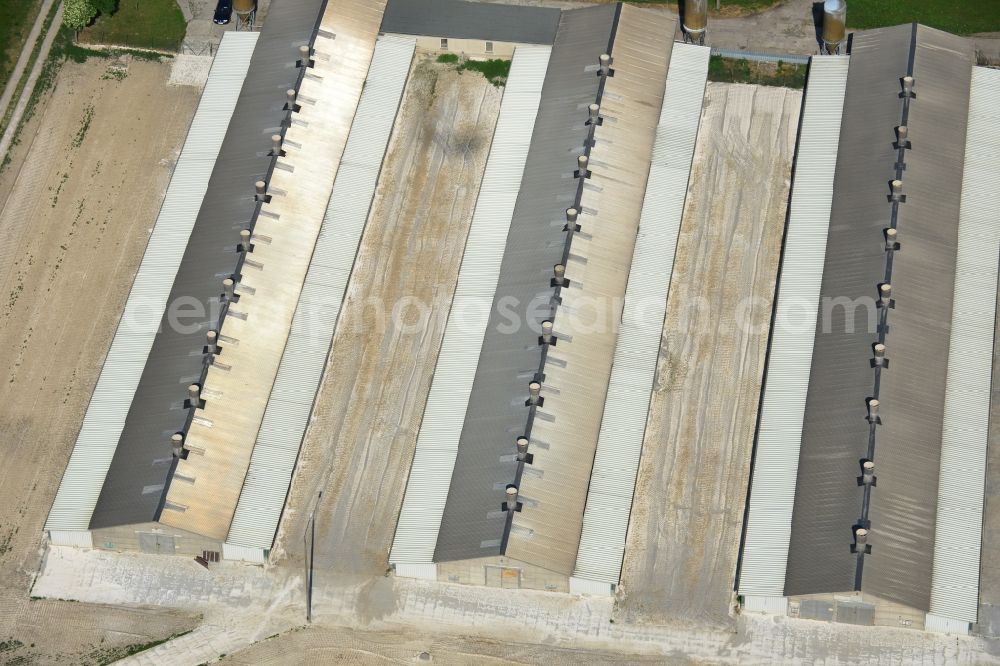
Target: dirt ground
point(336, 645)
point(683, 540)
point(360, 445)
point(84, 188)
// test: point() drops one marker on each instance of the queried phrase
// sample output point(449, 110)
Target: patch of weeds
point(21, 660)
point(115, 73)
point(10, 645)
point(103, 657)
point(741, 70)
point(495, 70)
point(984, 60)
point(55, 197)
point(81, 134)
point(5, 546)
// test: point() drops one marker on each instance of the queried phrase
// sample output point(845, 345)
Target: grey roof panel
point(290, 404)
point(413, 545)
point(907, 444)
point(912, 395)
point(472, 525)
point(134, 485)
point(779, 436)
point(460, 19)
point(109, 405)
point(834, 431)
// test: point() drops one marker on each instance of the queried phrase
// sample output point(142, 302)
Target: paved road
point(36, 70)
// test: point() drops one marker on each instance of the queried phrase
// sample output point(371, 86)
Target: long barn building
point(866, 500)
point(526, 458)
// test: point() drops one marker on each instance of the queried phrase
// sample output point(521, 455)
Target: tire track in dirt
point(359, 447)
point(687, 513)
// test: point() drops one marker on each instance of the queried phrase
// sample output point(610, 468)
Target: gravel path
point(24, 57)
point(29, 88)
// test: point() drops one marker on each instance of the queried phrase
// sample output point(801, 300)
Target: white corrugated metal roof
point(612, 481)
point(779, 436)
point(437, 443)
point(102, 425)
point(290, 404)
point(958, 537)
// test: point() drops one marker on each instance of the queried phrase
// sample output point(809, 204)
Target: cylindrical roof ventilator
point(908, 86)
point(885, 295)
point(571, 216)
point(534, 393)
point(604, 62)
point(879, 350)
point(896, 187)
point(890, 239)
point(873, 411)
point(546, 337)
point(522, 448)
point(868, 473)
point(511, 495)
point(559, 275)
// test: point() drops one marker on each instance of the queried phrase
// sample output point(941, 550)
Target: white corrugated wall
point(109, 405)
point(958, 536)
point(772, 488)
point(243, 554)
point(616, 463)
point(290, 404)
point(437, 443)
point(77, 538)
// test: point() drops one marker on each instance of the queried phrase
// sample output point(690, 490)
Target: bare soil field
point(359, 447)
point(683, 539)
point(82, 194)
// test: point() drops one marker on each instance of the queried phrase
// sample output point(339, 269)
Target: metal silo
point(246, 11)
point(695, 20)
point(834, 24)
